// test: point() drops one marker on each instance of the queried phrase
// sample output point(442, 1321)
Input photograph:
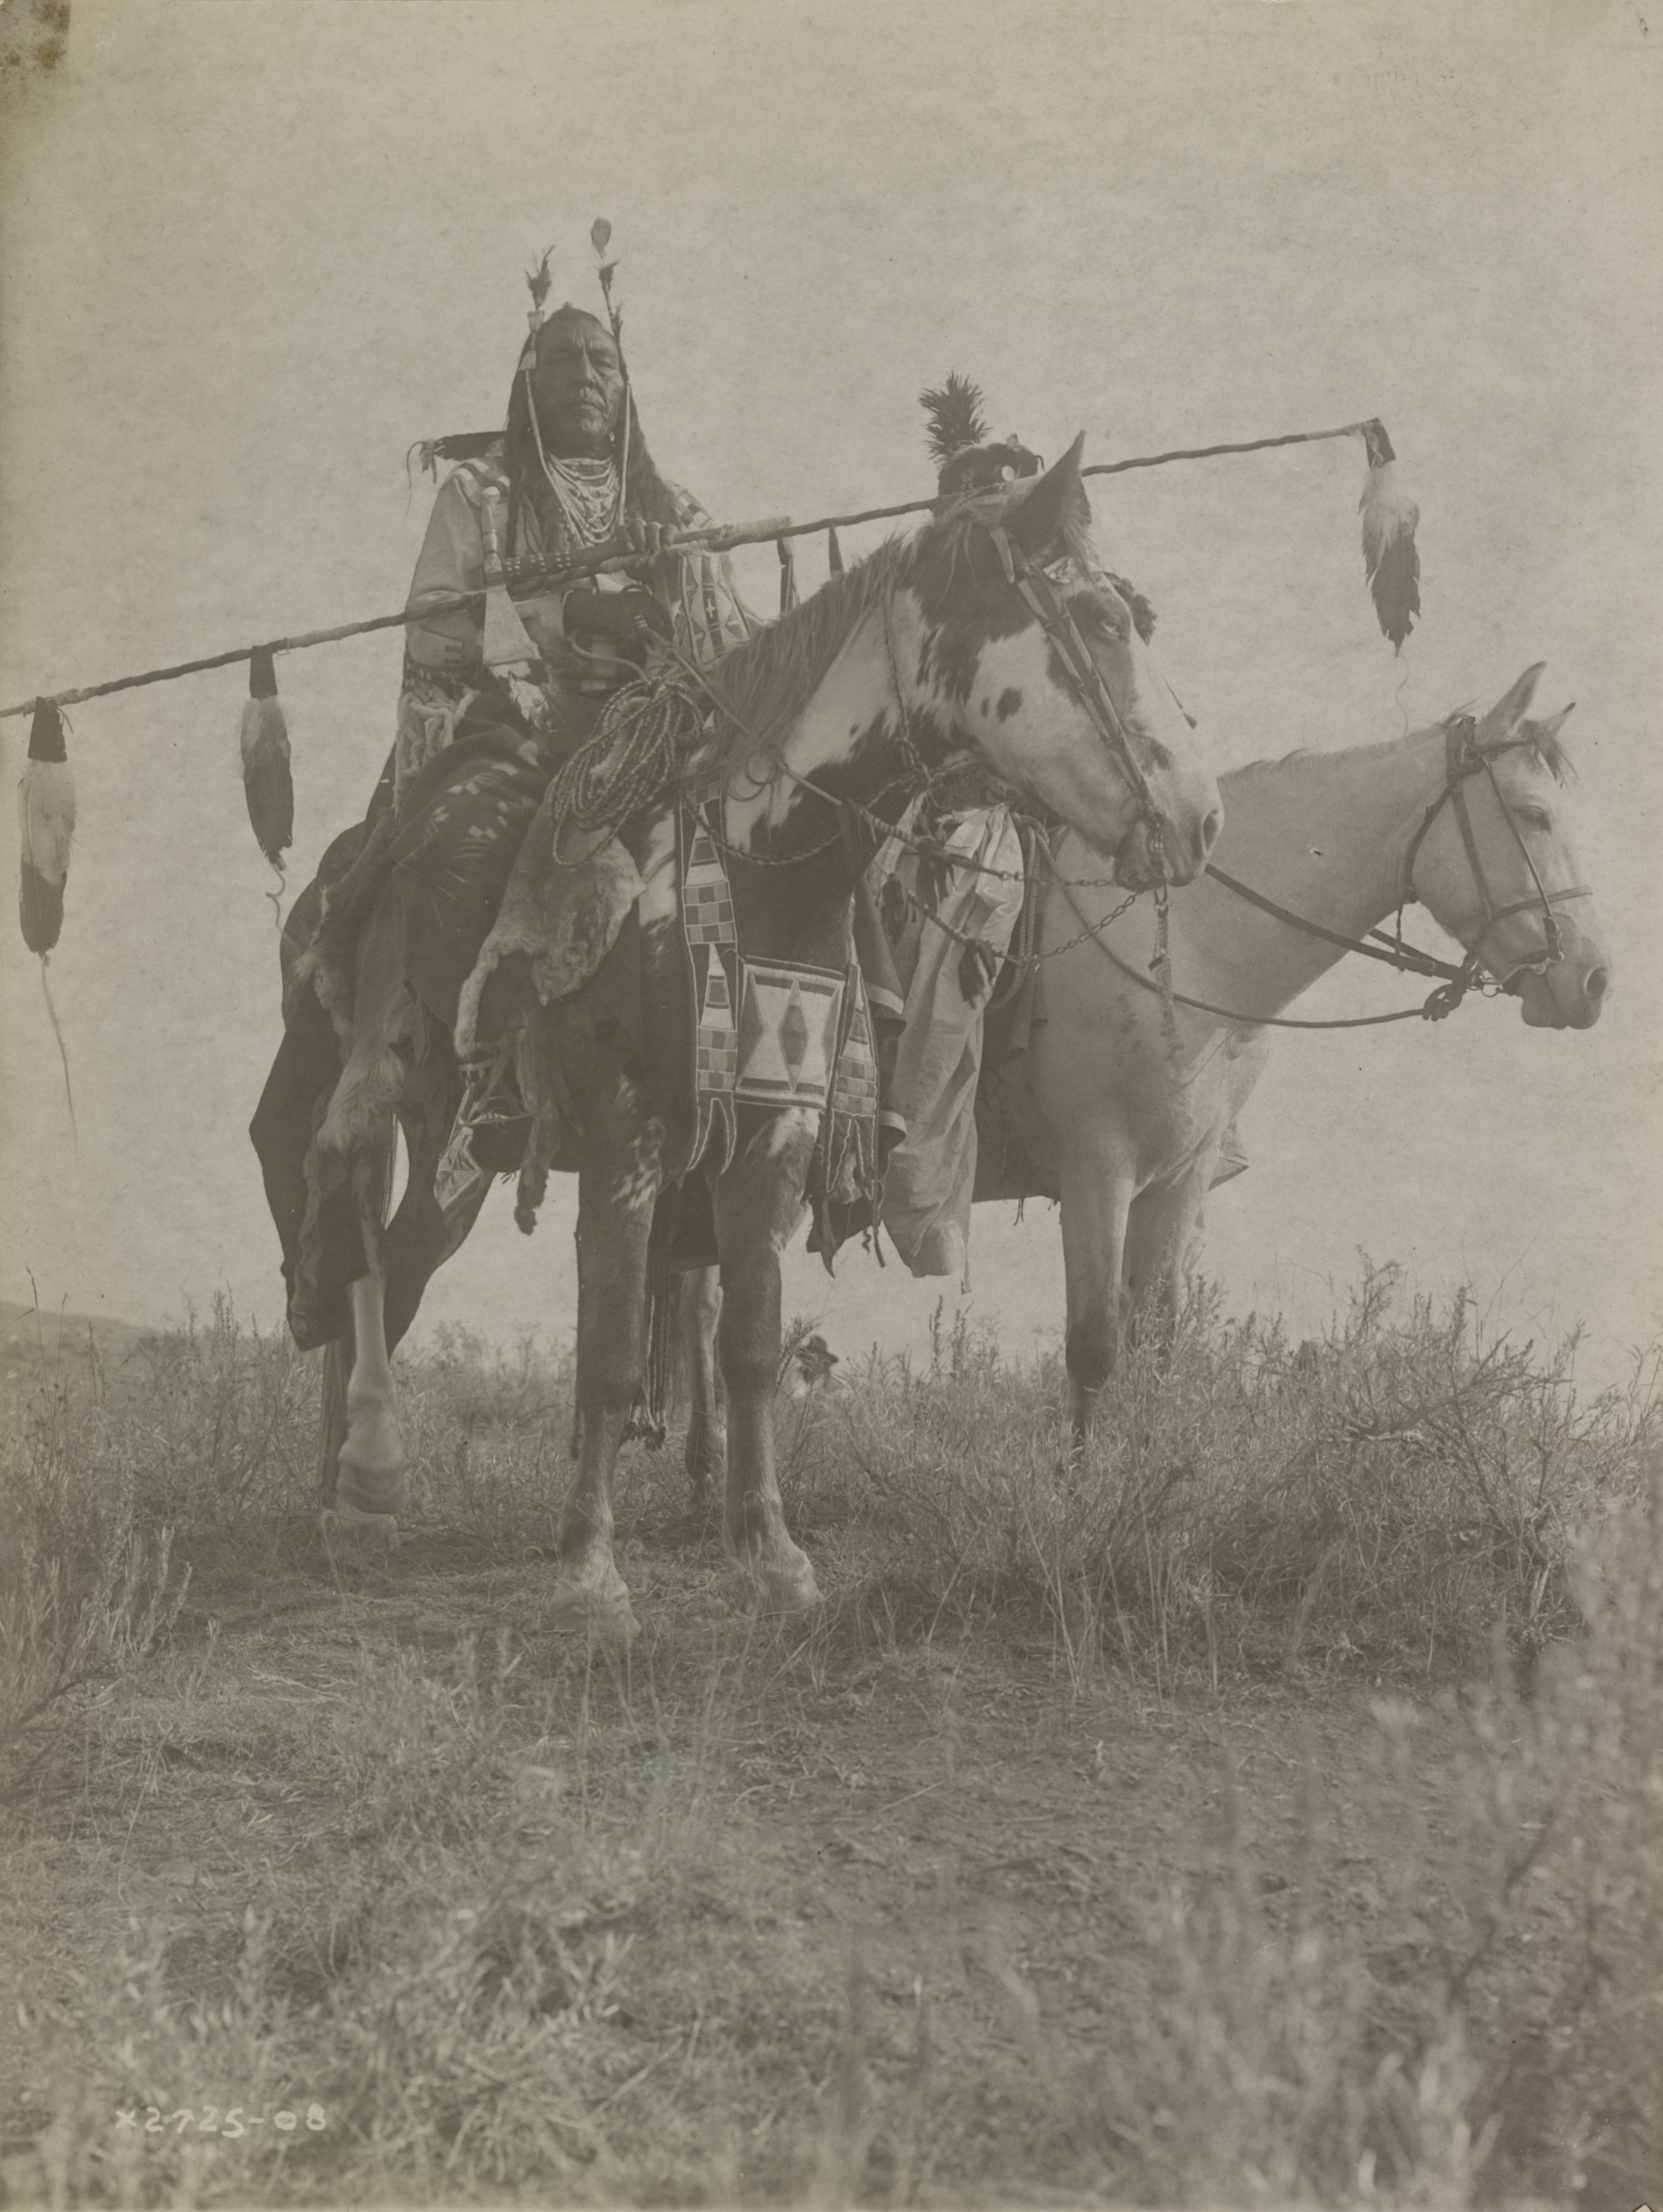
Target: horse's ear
point(1501, 723)
point(1036, 517)
point(1547, 733)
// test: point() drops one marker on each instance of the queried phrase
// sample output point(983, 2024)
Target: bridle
point(1464, 758)
point(1055, 618)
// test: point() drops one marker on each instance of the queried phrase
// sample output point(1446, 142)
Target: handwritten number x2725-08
point(232, 2125)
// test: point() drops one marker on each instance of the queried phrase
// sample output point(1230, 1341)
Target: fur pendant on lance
point(46, 817)
point(1390, 558)
point(266, 782)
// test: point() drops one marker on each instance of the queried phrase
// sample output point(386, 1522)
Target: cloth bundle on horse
point(617, 935)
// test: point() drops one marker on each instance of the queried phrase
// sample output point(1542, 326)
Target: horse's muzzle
point(1156, 853)
point(1564, 997)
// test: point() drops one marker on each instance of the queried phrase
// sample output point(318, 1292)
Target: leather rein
point(1464, 758)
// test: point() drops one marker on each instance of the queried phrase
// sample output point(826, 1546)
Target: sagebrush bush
point(1384, 1495)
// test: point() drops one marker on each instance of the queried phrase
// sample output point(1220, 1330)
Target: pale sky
point(252, 251)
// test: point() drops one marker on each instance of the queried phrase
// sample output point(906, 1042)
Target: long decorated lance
point(1385, 533)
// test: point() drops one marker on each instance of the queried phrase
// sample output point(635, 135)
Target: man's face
point(577, 382)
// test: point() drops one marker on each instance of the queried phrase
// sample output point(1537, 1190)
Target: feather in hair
point(537, 283)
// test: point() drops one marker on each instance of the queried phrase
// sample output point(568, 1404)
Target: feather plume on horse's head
point(959, 443)
point(954, 414)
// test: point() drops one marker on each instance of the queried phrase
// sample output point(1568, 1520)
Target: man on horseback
point(495, 694)
point(569, 476)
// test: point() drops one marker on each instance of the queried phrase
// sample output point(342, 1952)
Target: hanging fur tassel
point(45, 815)
point(1389, 553)
point(266, 781)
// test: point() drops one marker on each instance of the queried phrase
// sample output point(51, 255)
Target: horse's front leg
point(759, 1202)
point(706, 1420)
point(1096, 1188)
point(404, 1256)
point(370, 1484)
point(1159, 1232)
point(614, 1222)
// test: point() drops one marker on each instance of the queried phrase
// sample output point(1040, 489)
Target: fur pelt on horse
point(563, 911)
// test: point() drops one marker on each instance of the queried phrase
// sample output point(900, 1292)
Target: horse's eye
point(1097, 618)
point(1535, 817)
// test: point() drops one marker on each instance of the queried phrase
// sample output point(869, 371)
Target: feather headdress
point(538, 282)
point(601, 237)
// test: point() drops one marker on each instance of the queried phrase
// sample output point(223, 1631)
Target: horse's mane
point(764, 684)
point(1265, 767)
point(1542, 738)
point(985, 508)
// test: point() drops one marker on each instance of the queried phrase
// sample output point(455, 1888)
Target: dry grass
point(511, 1925)
point(1382, 1498)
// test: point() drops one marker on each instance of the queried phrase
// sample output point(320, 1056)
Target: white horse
point(1470, 817)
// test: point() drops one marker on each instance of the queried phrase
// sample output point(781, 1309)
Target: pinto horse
point(992, 638)
point(1470, 817)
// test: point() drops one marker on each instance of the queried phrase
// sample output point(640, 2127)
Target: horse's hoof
point(369, 1493)
point(346, 1520)
point(370, 1474)
point(603, 1619)
point(779, 1586)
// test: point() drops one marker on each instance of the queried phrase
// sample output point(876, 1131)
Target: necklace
point(588, 493)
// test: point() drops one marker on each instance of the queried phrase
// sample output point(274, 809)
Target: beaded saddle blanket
point(774, 1033)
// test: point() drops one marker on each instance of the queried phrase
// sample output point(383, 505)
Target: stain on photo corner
point(34, 37)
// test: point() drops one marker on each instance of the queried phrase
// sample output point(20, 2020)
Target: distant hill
point(35, 1344)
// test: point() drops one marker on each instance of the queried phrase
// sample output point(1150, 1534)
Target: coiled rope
point(633, 756)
